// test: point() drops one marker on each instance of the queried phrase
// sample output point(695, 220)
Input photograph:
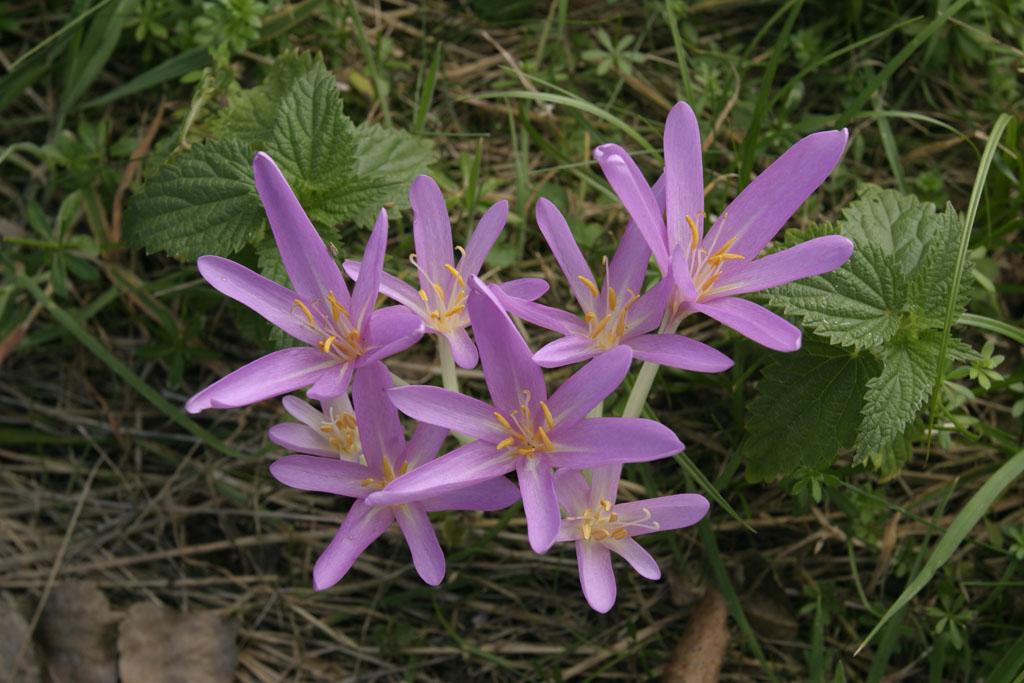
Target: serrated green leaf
point(899, 225)
point(313, 141)
point(860, 304)
point(251, 112)
point(932, 278)
point(894, 396)
point(391, 155)
point(204, 202)
point(807, 408)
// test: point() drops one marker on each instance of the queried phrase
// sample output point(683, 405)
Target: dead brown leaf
point(13, 632)
point(159, 645)
point(698, 656)
point(76, 634)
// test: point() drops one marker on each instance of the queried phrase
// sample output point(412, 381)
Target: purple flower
point(388, 455)
point(342, 332)
point(600, 527)
point(711, 270)
point(330, 431)
point(614, 313)
point(524, 430)
point(441, 299)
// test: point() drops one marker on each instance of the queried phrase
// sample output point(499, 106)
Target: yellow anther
point(335, 443)
point(710, 282)
point(613, 517)
point(336, 308)
point(620, 534)
point(505, 443)
point(353, 336)
point(326, 428)
point(599, 327)
point(404, 468)
point(455, 274)
point(590, 316)
point(600, 534)
point(620, 327)
point(389, 473)
point(724, 249)
point(325, 345)
point(423, 295)
point(605, 504)
point(589, 285)
point(305, 310)
point(544, 438)
point(586, 532)
point(438, 290)
point(549, 419)
point(612, 298)
point(526, 451)
point(501, 419)
point(455, 311)
point(368, 482)
point(694, 233)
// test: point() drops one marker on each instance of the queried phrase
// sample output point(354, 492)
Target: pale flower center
point(340, 336)
point(526, 436)
point(341, 432)
point(388, 474)
point(607, 319)
point(600, 523)
point(706, 261)
point(444, 304)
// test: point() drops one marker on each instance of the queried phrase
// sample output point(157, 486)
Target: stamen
point(455, 311)
point(505, 443)
point(599, 534)
point(605, 504)
point(549, 419)
point(544, 437)
point(389, 473)
point(325, 345)
point(501, 418)
point(620, 534)
point(438, 290)
point(589, 285)
point(326, 428)
point(724, 249)
point(612, 298)
point(599, 327)
point(586, 529)
point(305, 309)
point(590, 316)
point(694, 233)
point(462, 251)
point(336, 308)
point(423, 295)
point(455, 274)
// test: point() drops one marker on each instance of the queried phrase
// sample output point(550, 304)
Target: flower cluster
point(567, 457)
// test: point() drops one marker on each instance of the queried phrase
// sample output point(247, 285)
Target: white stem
point(444, 354)
point(597, 411)
point(645, 378)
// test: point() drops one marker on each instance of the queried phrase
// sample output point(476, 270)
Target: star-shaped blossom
point(388, 456)
point(600, 527)
point(524, 429)
point(614, 314)
point(330, 431)
point(341, 332)
point(441, 299)
point(711, 270)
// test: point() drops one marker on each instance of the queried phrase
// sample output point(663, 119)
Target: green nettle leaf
point(312, 138)
point(251, 113)
point(900, 225)
point(894, 396)
point(932, 278)
point(204, 202)
point(860, 304)
point(808, 407)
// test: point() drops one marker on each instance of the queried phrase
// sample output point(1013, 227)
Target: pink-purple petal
point(419, 534)
point(272, 301)
point(764, 206)
point(681, 276)
point(596, 576)
point(540, 505)
point(572, 491)
point(391, 330)
point(567, 350)
point(390, 286)
point(638, 558)
point(540, 315)
point(432, 229)
point(276, 373)
point(587, 387)
point(298, 438)
point(565, 250)
point(332, 382)
point(636, 195)
point(600, 441)
point(311, 270)
point(455, 411)
point(684, 176)
point(681, 352)
point(528, 288)
point(463, 349)
point(482, 239)
point(604, 484)
point(664, 513)
point(754, 322)
point(649, 310)
point(487, 496)
point(465, 466)
point(813, 257)
point(507, 363)
point(628, 267)
point(323, 475)
point(364, 293)
point(380, 431)
point(424, 444)
point(362, 526)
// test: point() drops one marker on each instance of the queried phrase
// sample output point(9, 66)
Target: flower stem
point(597, 411)
point(444, 354)
point(645, 378)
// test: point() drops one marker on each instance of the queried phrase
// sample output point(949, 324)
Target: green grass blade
point(749, 145)
point(168, 70)
point(85, 66)
point(677, 43)
point(123, 371)
point(962, 524)
point(578, 104)
point(427, 93)
point(1010, 667)
point(896, 62)
point(63, 32)
point(709, 489)
point(982, 322)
